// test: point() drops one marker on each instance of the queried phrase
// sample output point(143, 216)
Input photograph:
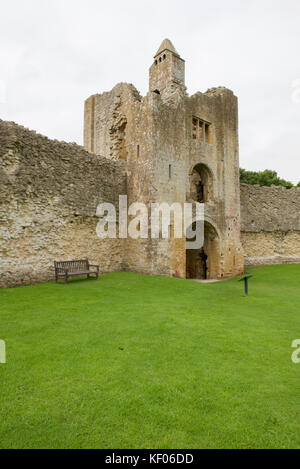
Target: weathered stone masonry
point(49, 192)
point(270, 224)
point(164, 147)
point(170, 140)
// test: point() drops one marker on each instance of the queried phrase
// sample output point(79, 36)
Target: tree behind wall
point(264, 178)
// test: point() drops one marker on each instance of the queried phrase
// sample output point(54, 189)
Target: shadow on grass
point(77, 280)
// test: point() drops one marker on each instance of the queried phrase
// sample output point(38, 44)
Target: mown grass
point(131, 361)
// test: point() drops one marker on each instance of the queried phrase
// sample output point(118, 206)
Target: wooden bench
point(67, 269)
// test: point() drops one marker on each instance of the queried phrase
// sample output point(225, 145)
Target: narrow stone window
point(207, 133)
point(170, 171)
point(138, 151)
point(171, 231)
point(164, 56)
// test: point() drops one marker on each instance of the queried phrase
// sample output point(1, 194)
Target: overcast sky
point(56, 53)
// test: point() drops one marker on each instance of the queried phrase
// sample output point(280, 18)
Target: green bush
point(264, 178)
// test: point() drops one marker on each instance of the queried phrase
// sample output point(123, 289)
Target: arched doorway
point(201, 184)
point(204, 263)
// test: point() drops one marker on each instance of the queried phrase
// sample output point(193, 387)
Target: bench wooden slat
point(66, 269)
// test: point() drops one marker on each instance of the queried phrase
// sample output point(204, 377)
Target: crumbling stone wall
point(270, 224)
point(148, 148)
point(49, 192)
point(105, 121)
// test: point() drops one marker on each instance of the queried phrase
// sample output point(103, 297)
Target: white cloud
point(58, 52)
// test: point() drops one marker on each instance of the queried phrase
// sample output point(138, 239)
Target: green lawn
point(131, 361)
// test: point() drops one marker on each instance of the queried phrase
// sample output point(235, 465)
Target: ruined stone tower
point(177, 148)
point(165, 147)
point(168, 68)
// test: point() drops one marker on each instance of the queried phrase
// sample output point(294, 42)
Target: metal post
point(245, 280)
point(246, 286)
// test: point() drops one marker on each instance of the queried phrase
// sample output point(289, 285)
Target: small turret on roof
point(166, 45)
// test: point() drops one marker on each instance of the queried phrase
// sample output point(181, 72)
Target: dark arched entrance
point(204, 263)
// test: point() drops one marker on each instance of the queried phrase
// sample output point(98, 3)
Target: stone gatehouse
point(164, 147)
point(177, 148)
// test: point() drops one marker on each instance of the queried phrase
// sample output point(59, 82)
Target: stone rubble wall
point(270, 224)
point(49, 193)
